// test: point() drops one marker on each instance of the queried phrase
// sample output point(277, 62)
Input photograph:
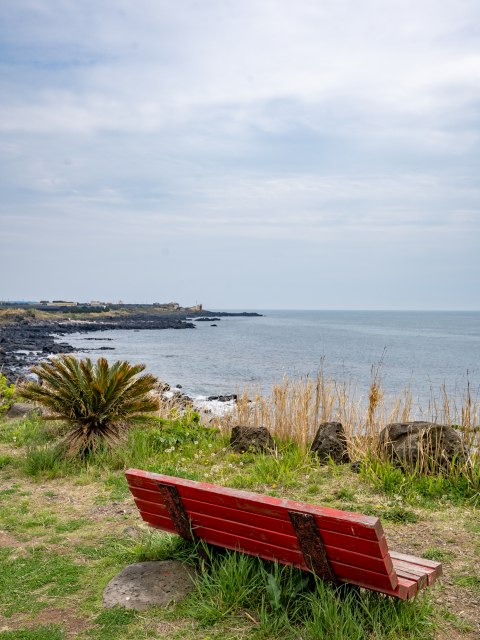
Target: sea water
point(421, 350)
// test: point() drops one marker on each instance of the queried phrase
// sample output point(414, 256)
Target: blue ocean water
point(423, 349)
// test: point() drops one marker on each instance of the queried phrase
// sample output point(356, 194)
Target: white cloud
point(267, 120)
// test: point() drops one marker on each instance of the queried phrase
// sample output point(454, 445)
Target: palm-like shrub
point(96, 399)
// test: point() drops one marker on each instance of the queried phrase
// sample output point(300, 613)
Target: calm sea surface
point(422, 349)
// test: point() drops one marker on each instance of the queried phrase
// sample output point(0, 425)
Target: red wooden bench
point(337, 545)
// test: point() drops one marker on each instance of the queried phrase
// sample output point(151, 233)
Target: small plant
point(346, 495)
point(96, 399)
point(438, 554)
point(6, 391)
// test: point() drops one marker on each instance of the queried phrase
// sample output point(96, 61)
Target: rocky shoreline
point(26, 340)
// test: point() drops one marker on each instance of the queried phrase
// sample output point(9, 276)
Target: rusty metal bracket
point(311, 544)
point(176, 511)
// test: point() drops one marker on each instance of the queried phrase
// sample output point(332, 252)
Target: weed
point(467, 580)
point(40, 632)
point(346, 495)
point(43, 459)
point(5, 461)
point(456, 622)
point(438, 554)
point(71, 525)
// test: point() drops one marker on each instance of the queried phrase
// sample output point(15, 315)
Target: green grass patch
point(438, 554)
point(26, 581)
point(112, 623)
point(72, 525)
point(39, 632)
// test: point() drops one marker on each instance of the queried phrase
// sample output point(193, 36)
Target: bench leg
point(311, 544)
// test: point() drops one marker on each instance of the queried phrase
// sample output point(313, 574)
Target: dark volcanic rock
point(330, 442)
point(408, 441)
point(232, 396)
point(253, 439)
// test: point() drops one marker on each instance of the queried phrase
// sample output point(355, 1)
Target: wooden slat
point(282, 554)
point(415, 569)
point(332, 519)
point(335, 543)
point(405, 589)
point(374, 548)
point(421, 562)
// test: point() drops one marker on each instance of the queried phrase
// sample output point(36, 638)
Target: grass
point(239, 596)
point(438, 554)
point(39, 632)
point(26, 580)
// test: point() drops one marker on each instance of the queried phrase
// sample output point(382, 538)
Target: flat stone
point(149, 583)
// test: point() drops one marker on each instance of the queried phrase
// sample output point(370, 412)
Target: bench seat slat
point(405, 589)
point(421, 563)
point(415, 570)
point(282, 554)
point(341, 521)
point(266, 523)
point(334, 543)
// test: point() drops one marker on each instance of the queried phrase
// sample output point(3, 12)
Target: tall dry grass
point(296, 405)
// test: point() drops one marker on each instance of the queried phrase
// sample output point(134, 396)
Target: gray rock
point(405, 441)
point(149, 583)
point(356, 467)
point(253, 439)
point(330, 441)
point(134, 531)
point(23, 410)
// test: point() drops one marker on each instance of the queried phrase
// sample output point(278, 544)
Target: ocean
point(422, 350)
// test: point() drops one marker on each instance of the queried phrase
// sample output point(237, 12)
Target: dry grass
point(295, 406)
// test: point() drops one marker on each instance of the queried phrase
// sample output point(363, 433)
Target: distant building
point(96, 303)
point(169, 306)
point(61, 303)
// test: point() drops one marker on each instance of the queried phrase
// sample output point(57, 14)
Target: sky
point(316, 154)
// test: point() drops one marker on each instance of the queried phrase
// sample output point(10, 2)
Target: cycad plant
point(95, 398)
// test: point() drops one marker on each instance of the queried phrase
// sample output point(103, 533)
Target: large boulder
point(408, 442)
point(330, 442)
point(23, 410)
point(253, 439)
point(149, 583)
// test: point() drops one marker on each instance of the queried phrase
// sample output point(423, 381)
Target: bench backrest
point(260, 525)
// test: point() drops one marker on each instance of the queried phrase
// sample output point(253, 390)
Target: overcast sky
point(306, 154)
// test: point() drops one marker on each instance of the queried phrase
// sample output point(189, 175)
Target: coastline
point(26, 340)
